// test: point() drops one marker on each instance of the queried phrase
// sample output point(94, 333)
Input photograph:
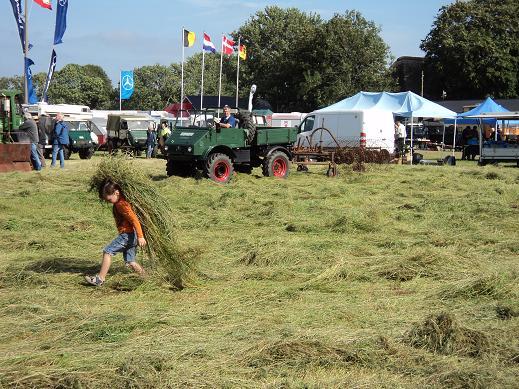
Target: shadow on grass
point(158, 177)
point(62, 265)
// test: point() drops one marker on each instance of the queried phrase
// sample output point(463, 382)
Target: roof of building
point(212, 101)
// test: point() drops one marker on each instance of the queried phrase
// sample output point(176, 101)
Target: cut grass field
point(401, 276)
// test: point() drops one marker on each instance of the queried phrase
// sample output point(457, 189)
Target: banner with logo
point(61, 21)
point(31, 99)
point(20, 21)
point(126, 86)
point(50, 73)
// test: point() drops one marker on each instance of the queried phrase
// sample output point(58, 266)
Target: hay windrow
point(155, 215)
point(443, 334)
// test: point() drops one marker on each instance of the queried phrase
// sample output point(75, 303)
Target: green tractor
point(10, 114)
point(218, 152)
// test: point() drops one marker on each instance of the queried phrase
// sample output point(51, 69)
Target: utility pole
point(422, 82)
point(25, 50)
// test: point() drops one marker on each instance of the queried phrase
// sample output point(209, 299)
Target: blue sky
point(117, 34)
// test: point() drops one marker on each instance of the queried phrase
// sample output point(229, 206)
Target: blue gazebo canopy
point(487, 106)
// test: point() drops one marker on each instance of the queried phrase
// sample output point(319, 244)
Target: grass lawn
point(401, 276)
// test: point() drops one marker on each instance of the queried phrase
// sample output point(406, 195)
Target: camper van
point(346, 126)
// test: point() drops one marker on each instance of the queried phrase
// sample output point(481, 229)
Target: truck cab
point(127, 132)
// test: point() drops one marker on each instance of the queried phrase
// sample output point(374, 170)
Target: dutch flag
point(208, 45)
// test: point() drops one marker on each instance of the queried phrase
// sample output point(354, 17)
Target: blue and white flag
point(61, 21)
point(20, 21)
point(126, 85)
point(32, 99)
point(50, 73)
point(208, 45)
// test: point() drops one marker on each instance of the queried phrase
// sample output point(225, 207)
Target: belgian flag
point(189, 38)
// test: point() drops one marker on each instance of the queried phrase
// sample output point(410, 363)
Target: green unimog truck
point(78, 118)
point(218, 152)
point(10, 114)
point(127, 132)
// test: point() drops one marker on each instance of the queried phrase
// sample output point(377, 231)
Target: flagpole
point(202, 84)
point(238, 72)
point(220, 84)
point(25, 50)
point(182, 82)
point(120, 91)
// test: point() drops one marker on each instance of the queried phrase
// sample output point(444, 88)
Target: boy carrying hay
point(130, 233)
point(147, 213)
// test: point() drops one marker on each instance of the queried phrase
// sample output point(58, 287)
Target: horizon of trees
point(301, 62)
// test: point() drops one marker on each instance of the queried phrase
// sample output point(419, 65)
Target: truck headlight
point(189, 149)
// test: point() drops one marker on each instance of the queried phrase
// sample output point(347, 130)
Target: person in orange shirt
point(130, 233)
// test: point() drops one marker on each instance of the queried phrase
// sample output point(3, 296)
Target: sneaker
point(94, 280)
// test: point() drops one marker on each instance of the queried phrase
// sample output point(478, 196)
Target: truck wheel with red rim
point(219, 168)
point(276, 165)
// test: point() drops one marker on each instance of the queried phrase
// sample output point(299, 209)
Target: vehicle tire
point(276, 164)
point(246, 122)
point(219, 168)
point(86, 153)
point(47, 154)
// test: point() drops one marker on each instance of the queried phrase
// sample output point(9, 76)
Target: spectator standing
point(42, 135)
point(59, 141)
point(400, 135)
point(163, 135)
point(29, 126)
point(151, 140)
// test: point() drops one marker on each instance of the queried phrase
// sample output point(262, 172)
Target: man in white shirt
point(400, 135)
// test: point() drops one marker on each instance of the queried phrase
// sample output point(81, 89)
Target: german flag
point(243, 52)
point(189, 38)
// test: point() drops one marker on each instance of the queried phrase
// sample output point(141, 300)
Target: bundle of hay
point(155, 216)
point(443, 334)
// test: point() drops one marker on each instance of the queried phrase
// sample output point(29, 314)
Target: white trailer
point(346, 126)
point(292, 119)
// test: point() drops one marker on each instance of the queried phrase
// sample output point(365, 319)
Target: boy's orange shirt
point(126, 219)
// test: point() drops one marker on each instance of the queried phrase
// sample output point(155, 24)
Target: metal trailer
point(494, 152)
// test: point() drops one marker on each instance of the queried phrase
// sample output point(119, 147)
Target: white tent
point(405, 104)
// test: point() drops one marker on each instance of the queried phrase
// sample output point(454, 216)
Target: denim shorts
point(125, 243)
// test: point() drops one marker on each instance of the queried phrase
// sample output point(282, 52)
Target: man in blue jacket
point(228, 119)
point(60, 141)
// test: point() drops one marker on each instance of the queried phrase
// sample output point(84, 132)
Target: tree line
point(301, 62)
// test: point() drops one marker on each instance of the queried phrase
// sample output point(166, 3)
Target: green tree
point(280, 48)
point(472, 49)
point(301, 62)
point(84, 85)
point(15, 82)
point(155, 87)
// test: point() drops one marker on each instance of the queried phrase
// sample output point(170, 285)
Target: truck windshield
point(138, 125)
point(78, 126)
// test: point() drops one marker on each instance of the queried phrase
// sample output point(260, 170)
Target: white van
point(347, 125)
